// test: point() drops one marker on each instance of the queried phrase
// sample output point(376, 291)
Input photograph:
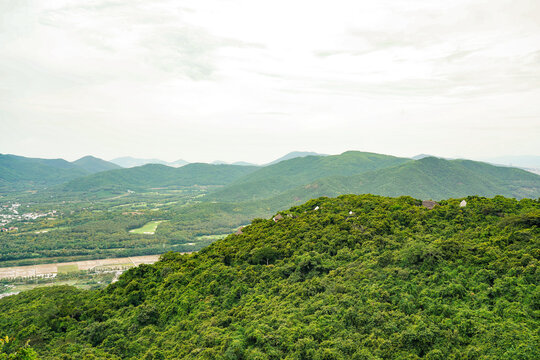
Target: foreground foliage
point(361, 277)
point(10, 352)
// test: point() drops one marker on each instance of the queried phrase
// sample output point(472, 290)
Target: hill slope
point(274, 179)
point(362, 277)
point(93, 164)
point(154, 175)
point(428, 178)
point(19, 172)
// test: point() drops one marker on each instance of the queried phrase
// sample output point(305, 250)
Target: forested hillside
point(428, 178)
point(20, 173)
point(355, 277)
point(155, 175)
point(274, 179)
point(93, 164)
point(296, 180)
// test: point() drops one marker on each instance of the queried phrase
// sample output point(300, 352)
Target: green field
point(64, 269)
point(148, 228)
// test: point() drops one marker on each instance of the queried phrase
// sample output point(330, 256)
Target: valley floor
point(49, 270)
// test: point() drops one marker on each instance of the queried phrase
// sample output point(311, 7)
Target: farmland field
point(64, 269)
point(88, 274)
point(51, 269)
point(108, 227)
point(148, 228)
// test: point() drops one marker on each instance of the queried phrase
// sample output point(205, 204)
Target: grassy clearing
point(64, 269)
point(148, 228)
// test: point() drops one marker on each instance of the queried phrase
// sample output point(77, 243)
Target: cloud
point(199, 69)
point(156, 33)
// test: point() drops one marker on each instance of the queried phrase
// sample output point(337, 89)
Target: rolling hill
point(274, 179)
point(286, 183)
point(94, 165)
point(21, 173)
point(357, 277)
point(427, 178)
point(155, 175)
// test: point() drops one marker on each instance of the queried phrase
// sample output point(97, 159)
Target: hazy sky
point(251, 80)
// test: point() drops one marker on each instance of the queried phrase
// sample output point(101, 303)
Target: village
point(10, 213)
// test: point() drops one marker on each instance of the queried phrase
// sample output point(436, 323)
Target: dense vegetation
point(155, 175)
point(21, 173)
point(89, 235)
point(92, 230)
point(357, 277)
point(427, 178)
point(277, 178)
point(10, 352)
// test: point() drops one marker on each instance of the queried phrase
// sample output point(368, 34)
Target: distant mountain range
point(155, 175)
point(273, 179)
point(295, 181)
point(301, 177)
point(530, 163)
point(295, 154)
point(422, 156)
point(94, 165)
point(21, 173)
point(240, 163)
point(129, 162)
point(427, 178)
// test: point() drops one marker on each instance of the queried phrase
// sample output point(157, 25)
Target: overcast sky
point(251, 80)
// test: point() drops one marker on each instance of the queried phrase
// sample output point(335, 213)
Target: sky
point(252, 80)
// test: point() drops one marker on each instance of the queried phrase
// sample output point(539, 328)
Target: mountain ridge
point(129, 162)
point(427, 178)
point(288, 174)
point(19, 172)
point(93, 164)
point(157, 175)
